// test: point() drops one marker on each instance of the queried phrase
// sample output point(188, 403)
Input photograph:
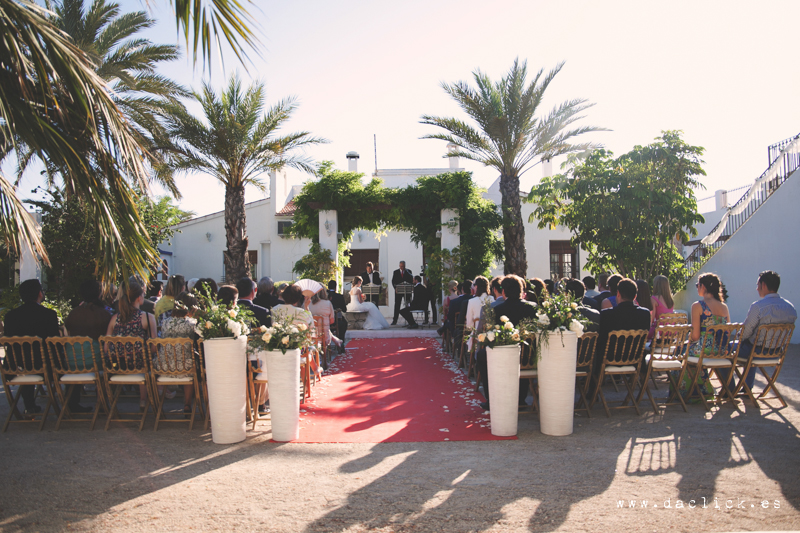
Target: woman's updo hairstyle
point(712, 285)
point(481, 285)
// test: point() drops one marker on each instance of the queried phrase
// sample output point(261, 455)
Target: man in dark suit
point(401, 275)
point(247, 291)
point(337, 300)
point(626, 315)
point(517, 310)
point(418, 303)
point(34, 320)
point(372, 277)
point(266, 294)
point(455, 306)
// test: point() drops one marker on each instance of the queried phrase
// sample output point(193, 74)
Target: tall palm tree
point(46, 81)
point(236, 145)
point(510, 137)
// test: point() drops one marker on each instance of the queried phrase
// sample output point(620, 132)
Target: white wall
point(767, 241)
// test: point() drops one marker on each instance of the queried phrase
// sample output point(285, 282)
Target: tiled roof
point(288, 210)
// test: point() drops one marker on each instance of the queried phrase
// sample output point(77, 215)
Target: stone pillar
point(451, 235)
point(328, 228)
point(29, 265)
point(547, 168)
point(721, 199)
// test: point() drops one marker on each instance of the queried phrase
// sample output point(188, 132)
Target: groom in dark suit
point(373, 277)
point(401, 275)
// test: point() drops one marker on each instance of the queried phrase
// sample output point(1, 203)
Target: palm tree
point(235, 145)
point(510, 138)
point(45, 82)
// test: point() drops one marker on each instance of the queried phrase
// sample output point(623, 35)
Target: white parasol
point(309, 286)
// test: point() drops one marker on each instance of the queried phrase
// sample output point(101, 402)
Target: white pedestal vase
point(284, 394)
point(227, 387)
point(557, 384)
point(503, 371)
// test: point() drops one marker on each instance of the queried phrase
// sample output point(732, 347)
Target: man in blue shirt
point(770, 309)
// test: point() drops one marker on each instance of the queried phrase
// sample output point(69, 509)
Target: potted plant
point(280, 347)
point(224, 331)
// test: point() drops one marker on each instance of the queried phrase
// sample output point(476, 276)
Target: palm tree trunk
point(516, 260)
point(237, 263)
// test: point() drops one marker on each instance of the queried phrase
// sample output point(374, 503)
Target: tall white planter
point(503, 371)
point(284, 394)
point(557, 384)
point(227, 385)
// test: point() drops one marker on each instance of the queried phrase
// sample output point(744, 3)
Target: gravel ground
point(743, 464)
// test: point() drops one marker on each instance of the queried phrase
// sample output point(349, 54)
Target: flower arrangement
point(216, 320)
point(557, 313)
point(285, 334)
point(503, 334)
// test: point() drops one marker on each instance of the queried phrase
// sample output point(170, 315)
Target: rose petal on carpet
point(394, 390)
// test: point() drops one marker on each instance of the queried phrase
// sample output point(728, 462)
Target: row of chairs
point(628, 357)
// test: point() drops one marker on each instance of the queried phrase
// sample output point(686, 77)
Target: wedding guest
point(625, 315)
point(228, 295)
point(279, 291)
point(474, 306)
point(611, 301)
point(182, 325)
point(602, 286)
point(643, 298)
point(31, 319)
point(419, 302)
point(293, 308)
point(551, 286)
point(339, 305)
point(191, 283)
point(247, 292)
point(452, 293)
point(590, 285)
point(321, 306)
point(132, 322)
point(206, 285)
point(577, 290)
point(401, 275)
point(89, 319)
point(455, 306)
point(497, 291)
point(156, 290)
point(662, 300)
point(538, 291)
point(266, 294)
point(163, 308)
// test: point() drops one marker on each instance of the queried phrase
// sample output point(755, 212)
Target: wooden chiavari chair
point(76, 361)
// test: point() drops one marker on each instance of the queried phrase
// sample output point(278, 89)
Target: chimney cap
point(352, 155)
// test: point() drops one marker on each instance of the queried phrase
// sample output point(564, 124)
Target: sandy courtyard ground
point(727, 470)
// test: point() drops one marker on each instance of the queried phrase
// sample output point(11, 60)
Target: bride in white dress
point(357, 304)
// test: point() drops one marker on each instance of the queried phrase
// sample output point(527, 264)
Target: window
point(283, 227)
point(563, 260)
point(358, 262)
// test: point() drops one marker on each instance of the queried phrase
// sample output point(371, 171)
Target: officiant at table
point(401, 275)
point(372, 276)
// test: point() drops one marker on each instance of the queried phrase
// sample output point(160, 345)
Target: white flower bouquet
point(216, 320)
point(557, 313)
point(285, 334)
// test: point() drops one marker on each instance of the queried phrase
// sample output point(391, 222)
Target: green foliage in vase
point(628, 213)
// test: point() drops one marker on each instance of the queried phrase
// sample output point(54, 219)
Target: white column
point(721, 199)
point(29, 266)
point(547, 168)
point(451, 235)
point(328, 228)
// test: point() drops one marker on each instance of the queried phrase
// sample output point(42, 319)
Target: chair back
point(670, 319)
point(74, 355)
point(318, 333)
point(527, 353)
point(720, 341)
point(669, 341)
point(625, 347)
point(172, 356)
point(586, 349)
point(772, 340)
point(24, 355)
point(123, 355)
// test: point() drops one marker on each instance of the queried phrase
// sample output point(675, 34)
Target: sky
point(722, 72)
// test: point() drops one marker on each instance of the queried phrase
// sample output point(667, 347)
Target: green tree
point(69, 236)
point(317, 264)
point(628, 212)
point(235, 144)
point(510, 137)
point(47, 82)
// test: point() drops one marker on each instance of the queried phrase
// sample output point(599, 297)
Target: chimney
point(721, 198)
point(453, 160)
point(547, 168)
point(352, 161)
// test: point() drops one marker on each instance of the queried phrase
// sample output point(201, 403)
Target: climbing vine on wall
point(415, 208)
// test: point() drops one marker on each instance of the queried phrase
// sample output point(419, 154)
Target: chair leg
point(159, 407)
point(675, 392)
point(65, 411)
point(113, 408)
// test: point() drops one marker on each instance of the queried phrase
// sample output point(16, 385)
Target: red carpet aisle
point(393, 390)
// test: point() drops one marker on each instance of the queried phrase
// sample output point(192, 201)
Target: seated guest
point(132, 322)
point(156, 290)
point(576, 289)
point(454, 291)
point(247, 291)
point(538, 291)
point(590, 285)
point(206, 286)
point(551, 286)
point(89, 319)
point(31, 319)
point(497, 291)
point(455, 305)
point(266, 293)
point(643, 298)
point(337, 300)
point(625, 316)
point(321, 306)
point(293, 308)
point(770, 309)
point(181, 325)
point(475, 305)
point(419, 302)
point(602, 286)
point(662, 301)
point(228, 295)
point(516, 310)
point(191, 283)
point(279, 291)
point(611, 301)
point(163, 308)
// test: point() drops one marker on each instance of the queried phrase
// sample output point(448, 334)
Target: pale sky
point(722, 72)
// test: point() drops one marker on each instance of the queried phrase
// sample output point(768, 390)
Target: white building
point(197, 251)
